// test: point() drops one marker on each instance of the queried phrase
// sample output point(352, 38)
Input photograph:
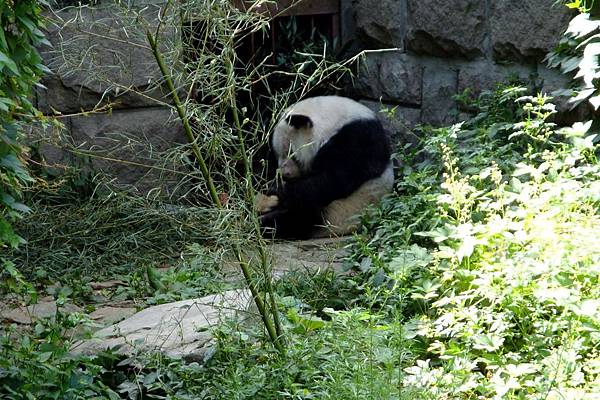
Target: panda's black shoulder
point(361, 142)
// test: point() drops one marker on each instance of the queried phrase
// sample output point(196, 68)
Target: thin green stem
point(184, 120)
point(271, 330)
point(269, 324)
point(250, 192)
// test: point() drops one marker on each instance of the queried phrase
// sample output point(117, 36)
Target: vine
point(20, 69)
point(578, 52)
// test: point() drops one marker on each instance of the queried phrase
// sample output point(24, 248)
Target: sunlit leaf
point(7, 62)
point(581, 25)
point(595, 101)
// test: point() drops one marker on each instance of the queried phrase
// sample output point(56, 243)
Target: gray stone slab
point(99, 57)
point(127, 145)
point(109, 315)
point(447, 28)
point(390, 76)
point(526, 29)
point(46, 308)
point(307, 255)
point(183, 328)
point(180, 329)
point(380, 23)
point(485, 75)
point(440, 84)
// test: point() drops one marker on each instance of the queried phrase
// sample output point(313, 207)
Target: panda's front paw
point(263, 204)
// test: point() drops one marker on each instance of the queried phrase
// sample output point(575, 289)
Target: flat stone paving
point(183, 328)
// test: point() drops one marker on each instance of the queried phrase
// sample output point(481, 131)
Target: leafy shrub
point(490, 254)
point(578, 51)
point(20, 68)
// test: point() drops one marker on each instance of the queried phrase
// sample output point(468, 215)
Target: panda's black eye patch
point(299, 121)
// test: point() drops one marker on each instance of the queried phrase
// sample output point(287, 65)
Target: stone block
point(128, 145)
point(181, 329)
point(440, 84)
point(398, 121)
point(526, 29)
point(454, 28)
point(97, 57)
point(552, 80)
point(391, 76)
point(47, 141)
point(485, 75)
point(380, 23)
point(45, 309)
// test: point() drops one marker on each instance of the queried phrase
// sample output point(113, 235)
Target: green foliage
point(199, 275)
point(578, 52)
point(315, 291)
point(20, 68)
point(105, 236)
point(37, 363)
point(351, 356)
point(295, 43)
point(493, 258)
point(478, 279)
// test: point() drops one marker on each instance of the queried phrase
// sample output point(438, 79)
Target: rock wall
point(104, 88)
point(427, 51)
point(423, 53)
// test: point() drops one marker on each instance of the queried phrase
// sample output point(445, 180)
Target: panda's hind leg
point(284, 224)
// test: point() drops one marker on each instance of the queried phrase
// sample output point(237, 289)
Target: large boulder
point(392, 76)
point(100, 56)
point(380, 23)
point(526, 29)
point(440, 85)
point(446, 28)
point(181, 329)
point(485, 75)
point(127, 143)
point(45, 308)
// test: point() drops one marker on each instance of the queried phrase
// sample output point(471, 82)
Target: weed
point(494, 286)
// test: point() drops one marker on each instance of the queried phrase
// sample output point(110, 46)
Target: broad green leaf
point(489, 342)
point(3, 39)
point(11, 162)
point(11, 203)
point(8, 235)
point(582, 95)
point(570, 64)
point(581, 25)
point(27, 22)
point(7, 62)
point(591, 39)
point(588, 66)
point(595, 101)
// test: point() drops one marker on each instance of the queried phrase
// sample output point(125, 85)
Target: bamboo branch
point(271, 329)
point(184, 120)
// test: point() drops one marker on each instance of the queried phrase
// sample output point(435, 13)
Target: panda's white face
point(294, 146)
point(308, 125)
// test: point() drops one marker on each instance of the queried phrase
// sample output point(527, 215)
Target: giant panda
point(334, 159)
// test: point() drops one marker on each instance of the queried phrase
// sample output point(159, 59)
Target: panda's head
point(291, 139)
point(307, 125)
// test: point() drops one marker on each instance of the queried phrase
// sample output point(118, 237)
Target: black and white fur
point(334, 158)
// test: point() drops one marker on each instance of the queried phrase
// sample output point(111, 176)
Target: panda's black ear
point(299, 121)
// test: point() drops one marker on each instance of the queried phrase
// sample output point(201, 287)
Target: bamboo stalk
point(272, 331)
point(184, 120)
point(248, 177)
